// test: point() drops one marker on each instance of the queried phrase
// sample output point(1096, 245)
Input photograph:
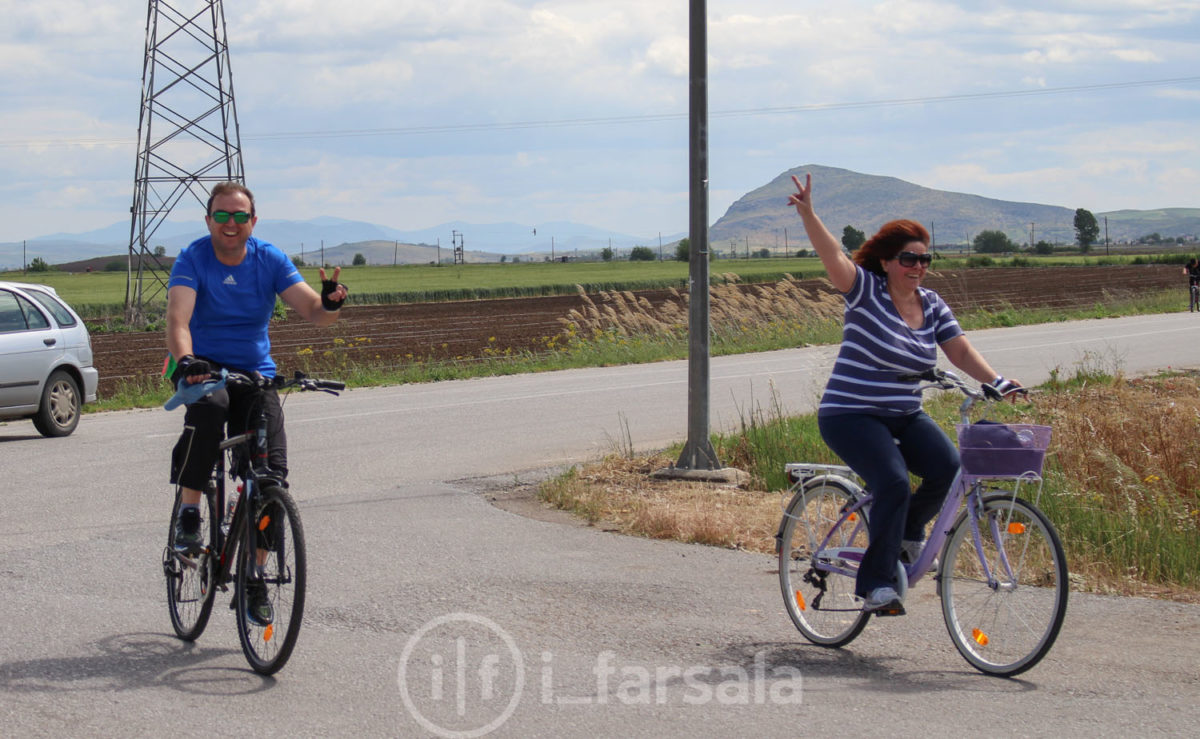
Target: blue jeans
point(882, 450)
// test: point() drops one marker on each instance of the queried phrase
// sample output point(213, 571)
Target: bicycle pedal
point(894, 608)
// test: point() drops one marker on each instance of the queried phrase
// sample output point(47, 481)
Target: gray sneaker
point(911, 550)
point(883, 602)
point(187, 531)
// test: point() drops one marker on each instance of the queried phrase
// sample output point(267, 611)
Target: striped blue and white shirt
point(877, 346)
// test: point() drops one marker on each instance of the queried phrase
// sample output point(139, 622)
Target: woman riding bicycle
point(868, 416)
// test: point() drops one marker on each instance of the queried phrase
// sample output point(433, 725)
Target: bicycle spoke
point(1006, 626)
point(189, 579)
point(271, 572)
point(816, 567)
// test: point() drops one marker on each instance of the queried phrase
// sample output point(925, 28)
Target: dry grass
point(731, 307)
point(1122, 487)
point(1124, 484)
point(619, 493)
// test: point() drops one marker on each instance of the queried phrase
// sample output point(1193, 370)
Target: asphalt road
point(432, 612)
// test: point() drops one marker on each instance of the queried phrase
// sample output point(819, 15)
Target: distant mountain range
point(341, 239)
point(844, 198)
point(758, 219)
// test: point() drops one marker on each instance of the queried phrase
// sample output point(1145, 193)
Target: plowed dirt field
point(410, 332)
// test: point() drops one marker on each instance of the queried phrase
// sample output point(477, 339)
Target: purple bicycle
point(1002, 577)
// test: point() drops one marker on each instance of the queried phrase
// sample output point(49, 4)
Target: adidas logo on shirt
point(229, 280)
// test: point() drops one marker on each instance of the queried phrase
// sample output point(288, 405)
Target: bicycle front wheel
point(190, 577)
point(271, 581)
point(1004, 602)
point(818, 561)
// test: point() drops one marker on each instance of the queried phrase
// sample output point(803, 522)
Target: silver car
point(46, 370)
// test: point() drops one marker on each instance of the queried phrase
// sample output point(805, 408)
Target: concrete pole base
point(725, 475)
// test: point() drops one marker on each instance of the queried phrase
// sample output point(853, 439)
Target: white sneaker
point(883, 602)
point(911, 550)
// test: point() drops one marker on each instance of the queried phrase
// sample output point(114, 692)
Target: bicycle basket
point(1002, 449)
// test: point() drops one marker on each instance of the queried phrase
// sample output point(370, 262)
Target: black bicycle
point(259, 530)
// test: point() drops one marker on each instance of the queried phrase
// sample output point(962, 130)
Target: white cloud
point(70, 71)
point(1145, 56)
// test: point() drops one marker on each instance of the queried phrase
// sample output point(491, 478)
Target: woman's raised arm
point(841, 270)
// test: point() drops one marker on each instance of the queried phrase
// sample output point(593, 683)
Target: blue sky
point(1063, 103)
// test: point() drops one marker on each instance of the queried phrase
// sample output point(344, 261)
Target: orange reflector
point(268, 632)
point(980, 637)
point(800, 601)
point(853, 517)
point(1016, 528)
point(266, 521)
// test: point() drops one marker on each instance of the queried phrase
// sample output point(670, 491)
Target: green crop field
point(421, 282)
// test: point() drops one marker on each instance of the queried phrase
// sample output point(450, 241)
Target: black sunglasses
point(912, 259)
point(223, 216)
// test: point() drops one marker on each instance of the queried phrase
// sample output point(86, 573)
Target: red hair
point(888, 242)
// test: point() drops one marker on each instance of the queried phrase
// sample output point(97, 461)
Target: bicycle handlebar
point(947, 380)
point(189, 393)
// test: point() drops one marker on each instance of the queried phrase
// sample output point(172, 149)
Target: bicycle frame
point(960, 490)
point(1003, 585)
point(253, 476)
point(253, 470)
point(239, 529)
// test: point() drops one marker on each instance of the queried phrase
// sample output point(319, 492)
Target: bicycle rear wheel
point(271, 560)
point(819, 600)
point(1005, 625)
point(190, 578)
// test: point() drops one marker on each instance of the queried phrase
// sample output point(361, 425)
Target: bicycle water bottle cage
point(189, 393)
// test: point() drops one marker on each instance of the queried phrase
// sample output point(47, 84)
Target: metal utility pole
point(187, 131)
point(698, 453)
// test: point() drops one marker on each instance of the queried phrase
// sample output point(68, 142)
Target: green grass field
point(108, 288)
point(97, 294)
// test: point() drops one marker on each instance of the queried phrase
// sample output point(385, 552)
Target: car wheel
point(58, 415)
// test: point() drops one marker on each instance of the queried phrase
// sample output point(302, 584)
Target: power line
point(628, 119)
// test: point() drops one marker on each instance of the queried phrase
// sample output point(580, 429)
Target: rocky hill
point(844, 198)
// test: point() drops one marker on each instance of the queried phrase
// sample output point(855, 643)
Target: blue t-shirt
point(878, 346)
point(234, 304)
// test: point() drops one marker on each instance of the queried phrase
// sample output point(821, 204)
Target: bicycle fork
point(977, 511)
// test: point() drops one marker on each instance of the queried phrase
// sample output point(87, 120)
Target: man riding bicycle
point(1192, 270)
point(220, 300)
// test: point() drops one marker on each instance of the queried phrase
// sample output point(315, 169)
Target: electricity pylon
point(187, 132)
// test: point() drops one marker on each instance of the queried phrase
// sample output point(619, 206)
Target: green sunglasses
point(223, 216)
